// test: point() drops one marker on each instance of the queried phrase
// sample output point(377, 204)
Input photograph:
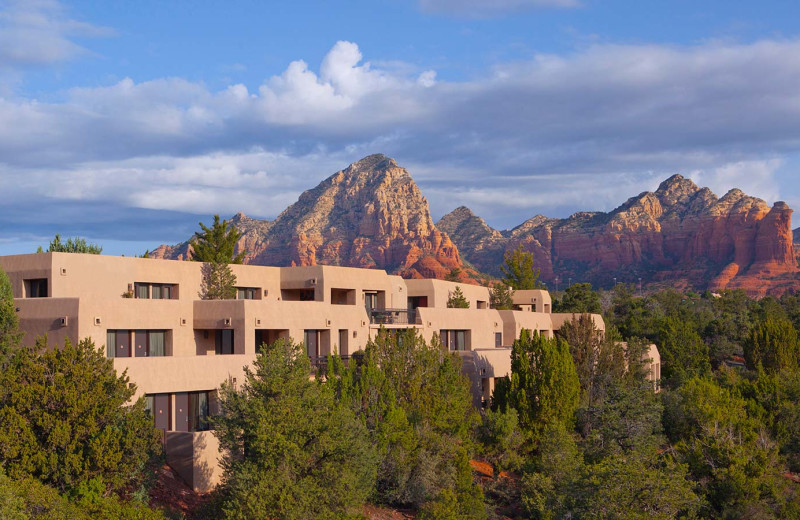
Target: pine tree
point(215, 246)
point(500, 297)
point(72, 245)
point(518, 271)
point(457, 300)
point(9, 322)
point(544, 386)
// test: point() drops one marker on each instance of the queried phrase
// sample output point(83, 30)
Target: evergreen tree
point(454, 275)
point(518, 271)
point(215, 247)
point(9, 322)
point(292, 450)
point(543, 387)
point(684, 354)
point(72, 245)
point(457, 300)
point(579, 298)
point(66, 420)
point(417, 406)
point(772, 344)
point(500, 297)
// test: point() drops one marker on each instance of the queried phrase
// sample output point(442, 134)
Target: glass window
point(246, 293)
point(198, 411)
point(36, 288)
point(156, 343)
point(141, 290)
point(311, 339)
point(454, 339)
point(371, 301)
point(224, 343)
point(498, 339)
point(118, 343)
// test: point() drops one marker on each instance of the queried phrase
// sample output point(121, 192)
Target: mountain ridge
point(680, 235)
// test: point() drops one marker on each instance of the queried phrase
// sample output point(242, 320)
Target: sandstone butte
point(679, 236)
point(371, 214)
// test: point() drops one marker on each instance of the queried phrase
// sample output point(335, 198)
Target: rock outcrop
point(371, 214)
point(680, 236)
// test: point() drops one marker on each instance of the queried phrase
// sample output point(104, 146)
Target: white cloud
point(38, 32)
point(554, 134)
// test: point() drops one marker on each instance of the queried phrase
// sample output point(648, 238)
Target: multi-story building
point(177, 348)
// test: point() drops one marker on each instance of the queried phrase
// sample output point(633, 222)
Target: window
point(150, 343)
point(118, 343)
point(482, 304)
point(36, 288)
point(247, 293)
point(371, 301)
point(311, 340)
point(498, 339)
point(454, 339)
point(153, 291)
point(224, 342)
point(198, 411)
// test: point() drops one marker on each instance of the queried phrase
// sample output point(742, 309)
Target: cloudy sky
point(129, 122)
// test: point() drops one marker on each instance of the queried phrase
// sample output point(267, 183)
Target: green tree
point(543, 387)
point(9, 322)
point(454, 275)
point(72, 245)
point(683, 352)
point(772, 344)
point(65, 419)
point(457, 300)
point(417, 406)
point(579, 298)
point(729, 452)
point(518, 271)
point(215, 246)
point(501, 297)
point(292, 450)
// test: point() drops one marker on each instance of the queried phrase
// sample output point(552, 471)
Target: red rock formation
point(679, 236)
point(370, 214)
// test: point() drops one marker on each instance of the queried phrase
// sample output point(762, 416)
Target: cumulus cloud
point(484, 8)
point(38, 32)
point(553, 134)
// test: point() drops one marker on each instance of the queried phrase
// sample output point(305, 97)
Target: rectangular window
point(454, 339)
point(246, 293)
point(498, 339)
point(154, 291)
point(371, 301)
point(150, 343)
point(311, 339)
point(36, 288)
point(198, 411)
point(224, 342)
point(118, 343)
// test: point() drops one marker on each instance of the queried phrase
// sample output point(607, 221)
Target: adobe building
point(149, 318)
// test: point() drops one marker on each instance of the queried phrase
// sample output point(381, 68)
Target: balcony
point(394, 317)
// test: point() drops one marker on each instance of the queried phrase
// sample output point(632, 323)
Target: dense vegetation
point(71, 444)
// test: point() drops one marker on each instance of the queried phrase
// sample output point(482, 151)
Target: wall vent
point(63, 271)
point(64, 321)
point(258, 322)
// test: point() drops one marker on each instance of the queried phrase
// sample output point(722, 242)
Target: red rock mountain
point(371, 214)
point(680, 236)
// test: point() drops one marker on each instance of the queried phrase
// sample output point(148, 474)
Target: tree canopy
point(9, 322)
point(215, 247)
point(457, 300)
point(72, 245)
point(292, 450)
point(518, 270)
point(66, 420)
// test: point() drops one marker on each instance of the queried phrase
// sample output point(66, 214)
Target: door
point(140, 343)
point(161, 411)
point(182, 412)
point(343, 347)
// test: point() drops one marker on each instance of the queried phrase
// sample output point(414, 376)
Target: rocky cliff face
point(370, 214)
point(680, 235)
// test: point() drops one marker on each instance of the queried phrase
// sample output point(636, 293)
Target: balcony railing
point(394, 317)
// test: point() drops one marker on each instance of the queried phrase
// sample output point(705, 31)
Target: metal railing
point(394, 317)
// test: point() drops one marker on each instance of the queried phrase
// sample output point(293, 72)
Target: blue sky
point(128, 122)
